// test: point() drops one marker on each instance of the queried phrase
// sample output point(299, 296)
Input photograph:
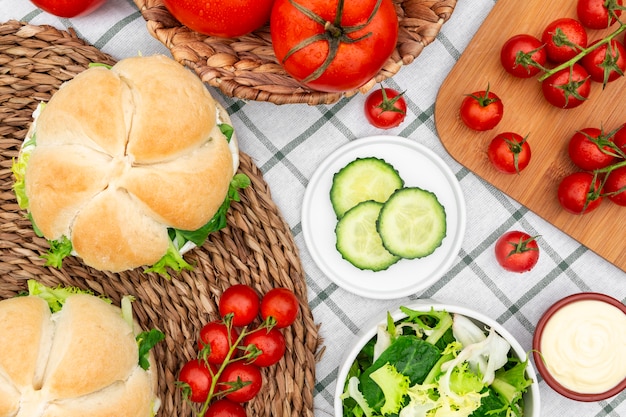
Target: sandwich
point(67, 352)
point(129, 165)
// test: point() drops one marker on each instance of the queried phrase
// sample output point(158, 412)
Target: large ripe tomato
point(196, 377)
point(242, 302)
point(482, 110)
point(270, 342)
point(347, 42)
point(245, 380)
point(589, 149)
point(509, 152)
point(280, 304)
point(216, 339)
point(517, 251)
point(564, 38)
point(605, 63)
point(567, 88)
point(224, 18)
point(598, 14)
point(578, 193)
point(615, 186)
point(385, 108)
point(523, 56)
point(68, 8)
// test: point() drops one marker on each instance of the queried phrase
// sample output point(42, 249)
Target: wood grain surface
point(527, 113)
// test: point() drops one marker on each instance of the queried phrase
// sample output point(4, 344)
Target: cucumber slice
point(361, 180)
point(412, 223)
point(358, 241)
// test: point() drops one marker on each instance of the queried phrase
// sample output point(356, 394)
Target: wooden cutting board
point(527, 113)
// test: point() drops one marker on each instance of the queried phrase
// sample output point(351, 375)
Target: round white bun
point(123, 154)
point(82, 360)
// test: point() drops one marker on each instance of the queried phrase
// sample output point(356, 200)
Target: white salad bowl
point(530, 397)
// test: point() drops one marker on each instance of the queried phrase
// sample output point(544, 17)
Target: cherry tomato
point(68, 8)
point(242, 301)
point(216, 335)
point(270, 342)
point(523, 56)
point(564, 38)
point(281, 304)
point(605, 64)
point(578, 193)
point(225, 408)
point(589, 149)
point(509, 152)
point(567, 88)
point(615, 186)
point(357, 40)
point(619, 139)
point(224, 18)
point(517, 251)
point(385, 108)
point(247, 376)
point(594, 14)
point(482, 110)
point(196, 377)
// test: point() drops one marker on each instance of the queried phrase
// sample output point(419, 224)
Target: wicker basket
point(257, 247)
point(246, 67)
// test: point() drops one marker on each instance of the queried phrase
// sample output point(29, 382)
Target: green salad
point(435, 364)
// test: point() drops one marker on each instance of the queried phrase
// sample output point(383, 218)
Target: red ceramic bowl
point(542, 368)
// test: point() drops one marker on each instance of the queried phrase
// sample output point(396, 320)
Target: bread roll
point(124, 154)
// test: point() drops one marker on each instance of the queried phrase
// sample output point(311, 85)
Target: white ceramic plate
point(419, 167)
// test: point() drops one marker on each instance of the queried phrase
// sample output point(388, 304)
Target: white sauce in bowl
point(583, 346)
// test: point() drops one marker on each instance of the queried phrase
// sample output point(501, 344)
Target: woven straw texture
point(246, 67)
point(256, 248)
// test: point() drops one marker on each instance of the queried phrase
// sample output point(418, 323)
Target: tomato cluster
point(232, 351)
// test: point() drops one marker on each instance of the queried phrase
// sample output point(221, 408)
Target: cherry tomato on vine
point(517, 251)
point(523, 56)
point(385, 108)
point(615, 186)
point(589, 149)
point(196, 378)
point(509, 152)
point(357, 39)
point(564, 38)
point(223, 18)
point(246, 378)
point(567, 88)
point(225, 408)
point(595, 14)
point(482, 110)
point(68, 8)
point(272, 344)
point(219, 339)
point(578, 193)
point(242, 301)
point(281, 304)
point(620, 139)
point(605, 63)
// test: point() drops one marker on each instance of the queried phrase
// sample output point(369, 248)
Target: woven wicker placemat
point(256, 248)
point(246, 67)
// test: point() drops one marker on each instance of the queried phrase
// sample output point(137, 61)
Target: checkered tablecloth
point(289, 142)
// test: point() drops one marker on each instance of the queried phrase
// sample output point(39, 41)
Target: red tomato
point(356, 41)
point(281, 304)
point(242, 301)
point(517, 251)
point(620, 139)
point(224, 18)
point(615, 186)
point(216, 335)
point(590, 149)
point(523, 56)
point(594, 14)
point(68, 8)
point(225, 408)
point(564, 38)
point(509, 152)
point(482, 110)
point(270, 342)
point(579, 194)
point(567, 88)
point(605, 67)
point(245, 378)
point(385, 108)
point(196, 377)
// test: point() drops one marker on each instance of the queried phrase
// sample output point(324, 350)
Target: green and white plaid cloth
point(289, 142)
